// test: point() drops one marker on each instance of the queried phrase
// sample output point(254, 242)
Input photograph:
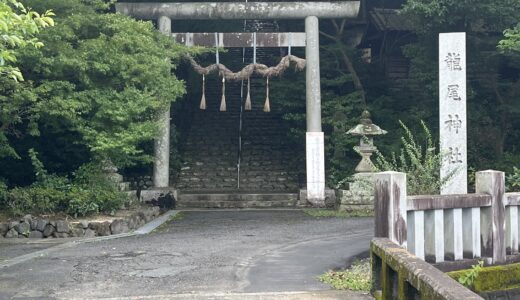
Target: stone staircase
point(237, 159)
point(267, 161)
point(211, 151)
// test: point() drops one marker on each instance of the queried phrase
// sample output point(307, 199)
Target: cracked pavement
point(202, 252)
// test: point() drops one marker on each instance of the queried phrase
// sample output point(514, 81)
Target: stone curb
point(296, 295)
point(147, 228)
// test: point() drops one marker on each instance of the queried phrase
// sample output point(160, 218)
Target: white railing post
point(453, 234)
point(471, 232)
point(434, 235)
point(415, 234)
point(512, 229)
point(390, 206)
point(492, 219)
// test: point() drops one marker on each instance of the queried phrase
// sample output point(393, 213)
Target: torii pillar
point(161, 164)
point(314, 138)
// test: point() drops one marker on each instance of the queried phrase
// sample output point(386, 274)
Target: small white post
point(512, 229)
point(471, 232)
point(415, 234)
point(434, 235)
point(453, 233)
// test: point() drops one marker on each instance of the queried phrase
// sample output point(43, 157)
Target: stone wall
point(142, 182)
point(37, 227)
point(352, 200)
point(359, 196)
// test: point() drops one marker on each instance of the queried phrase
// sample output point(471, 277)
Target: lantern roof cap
point(366, 127)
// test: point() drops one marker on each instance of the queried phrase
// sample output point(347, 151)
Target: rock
point(84, 224)
point(34, 224)
point(147, 215)
point(4, 228)
point(101, 229)
point(12, 233)
point(35, 234)
point(156, 211)
point(62, 226)
point(26, 218)
point(131, 223)
point(77, 232)
point(53, 223)
point(166, 201)
point(23, 228)
point(12, 224)
point(48, 230)
point(89, 233)
point(60, 235)
point(40, 226)
point(119, 226)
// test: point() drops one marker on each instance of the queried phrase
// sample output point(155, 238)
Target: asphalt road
point(203, 252)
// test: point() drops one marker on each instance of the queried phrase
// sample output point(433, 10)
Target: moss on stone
point(494, 278)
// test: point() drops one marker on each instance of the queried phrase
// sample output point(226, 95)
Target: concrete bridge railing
point(439, 228)
point(398, 274)
point(418, 230)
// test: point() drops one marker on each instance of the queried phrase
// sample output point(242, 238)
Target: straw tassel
point(247, 106)
point(203, 99)
point(223, 100)
point(267, 106)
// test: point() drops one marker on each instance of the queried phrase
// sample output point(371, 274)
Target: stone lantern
point(360, 194)
point(366, 130)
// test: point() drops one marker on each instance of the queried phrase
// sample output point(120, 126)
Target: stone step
point(236, 200)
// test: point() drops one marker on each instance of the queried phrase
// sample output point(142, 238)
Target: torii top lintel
point(240, 10)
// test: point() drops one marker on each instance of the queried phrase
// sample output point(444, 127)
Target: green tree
point(511, 41)
point(493, 85)
point(18, 28)
point(98, 84)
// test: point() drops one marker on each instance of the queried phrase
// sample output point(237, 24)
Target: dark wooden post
point(492, 220)
point(390, 206)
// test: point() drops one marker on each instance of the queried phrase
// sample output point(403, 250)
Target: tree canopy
point(93, 90)
point(511, 41)
point(18, 28)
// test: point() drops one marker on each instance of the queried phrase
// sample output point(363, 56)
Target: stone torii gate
point(309, 11)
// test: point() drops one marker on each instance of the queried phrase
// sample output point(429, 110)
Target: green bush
point(89, 192)
point(420, 163)
point(3, 190)
point(513, 180)
point(93, 192)
point(80, 203)
point(34, 200)
point(86, 202)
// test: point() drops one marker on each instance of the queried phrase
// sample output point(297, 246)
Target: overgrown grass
point(330, 213)
point(355, 278)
